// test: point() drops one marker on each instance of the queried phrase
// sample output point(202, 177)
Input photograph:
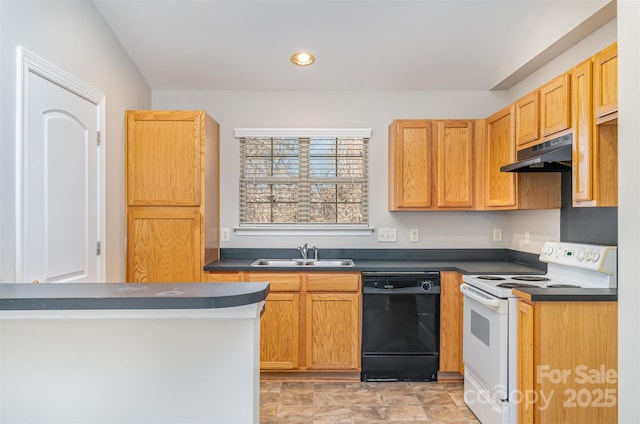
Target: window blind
point(316, 179)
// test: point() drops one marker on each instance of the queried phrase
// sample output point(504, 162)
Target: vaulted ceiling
point(358, 44)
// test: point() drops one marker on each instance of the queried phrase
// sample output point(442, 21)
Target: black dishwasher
point(400, 326)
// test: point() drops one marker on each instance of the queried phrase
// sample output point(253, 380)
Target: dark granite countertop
point(465, 267)
point(466, 261)
point(76, 296)
point(567, 294)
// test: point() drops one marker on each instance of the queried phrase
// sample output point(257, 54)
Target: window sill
point(306, 230)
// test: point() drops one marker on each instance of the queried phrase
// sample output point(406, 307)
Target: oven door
point(485, 338)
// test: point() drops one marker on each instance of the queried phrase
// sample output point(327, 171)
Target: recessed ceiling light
point(302, 59)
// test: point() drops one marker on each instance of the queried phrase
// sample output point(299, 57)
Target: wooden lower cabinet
point(567, 362)
point(451, 322)
point(280, 332)
point(332, 327)
point(162, 243)
point(311, 320)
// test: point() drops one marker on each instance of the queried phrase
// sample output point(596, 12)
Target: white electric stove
point(570, 265)
point(491, 321)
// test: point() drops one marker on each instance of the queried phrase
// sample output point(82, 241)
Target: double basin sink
point(308, 263)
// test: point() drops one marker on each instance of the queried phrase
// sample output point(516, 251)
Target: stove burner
point(530, 278)
point(517, 286)
point(563, 286)
point(490, 277)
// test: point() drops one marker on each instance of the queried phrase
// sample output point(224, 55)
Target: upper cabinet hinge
point(98, 249)
point(99, 137)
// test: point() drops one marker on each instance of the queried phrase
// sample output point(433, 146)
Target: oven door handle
point(480, 297)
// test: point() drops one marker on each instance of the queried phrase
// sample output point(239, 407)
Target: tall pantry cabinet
point(172, 190)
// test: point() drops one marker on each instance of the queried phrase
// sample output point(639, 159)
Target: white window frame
point(303, 229)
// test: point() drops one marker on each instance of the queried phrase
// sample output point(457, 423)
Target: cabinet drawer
point(223, 277)
point(278, 282)
point(333, 282)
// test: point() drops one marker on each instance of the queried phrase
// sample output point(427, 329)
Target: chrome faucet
point(304, 250)
point(315, 252)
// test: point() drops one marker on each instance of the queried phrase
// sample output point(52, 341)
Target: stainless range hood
point(550, 156)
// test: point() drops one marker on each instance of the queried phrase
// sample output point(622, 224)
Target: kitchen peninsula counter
point(119, 296)
point(123, 353)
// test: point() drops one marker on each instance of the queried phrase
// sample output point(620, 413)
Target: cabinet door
point(163, 245)
point(163, 157)
point(581, 166)
point(332, 331)
point(527, 119)
point(450, 322)
point(555, 105)
point(280, 332)
point(455, 158)
point(525, 360)
point(606, 81)
point(410, 165)
point(500, 187)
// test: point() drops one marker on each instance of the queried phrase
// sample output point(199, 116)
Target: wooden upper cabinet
point(527, 120)
point(555, 105)
point(606, 81)
point(500, 187)
point(595, 146)
point(582, 161)
point(455, 163)
point(431, 164)
point(410, 165)
point(163, 158)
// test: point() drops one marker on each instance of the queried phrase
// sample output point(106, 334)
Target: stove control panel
point(578, 255)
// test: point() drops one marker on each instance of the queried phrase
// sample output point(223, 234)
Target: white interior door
point(61, 189)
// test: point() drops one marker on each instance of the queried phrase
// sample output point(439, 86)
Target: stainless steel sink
point(303, 263)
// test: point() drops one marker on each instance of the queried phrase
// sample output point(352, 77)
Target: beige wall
point(72, 36)
point(376, 110)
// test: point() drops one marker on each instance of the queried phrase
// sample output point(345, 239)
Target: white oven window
point(480, 327)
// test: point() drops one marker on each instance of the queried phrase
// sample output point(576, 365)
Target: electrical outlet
point(526, 238)
point(414, 235)
point(497, 234)
point(225, 234)
point(388, 234)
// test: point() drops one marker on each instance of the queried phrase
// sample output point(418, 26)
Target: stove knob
point(426, 285)
point(596, 256)
point(581, 255)
point(589, 256)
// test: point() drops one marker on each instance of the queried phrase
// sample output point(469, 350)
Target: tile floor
point(366, 403)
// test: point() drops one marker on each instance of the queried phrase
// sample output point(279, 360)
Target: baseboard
point(302, 376)
point(449, 376)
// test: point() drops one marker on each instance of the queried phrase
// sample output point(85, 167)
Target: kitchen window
point(307, 178)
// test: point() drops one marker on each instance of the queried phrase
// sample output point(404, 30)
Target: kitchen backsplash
point(586, 225)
